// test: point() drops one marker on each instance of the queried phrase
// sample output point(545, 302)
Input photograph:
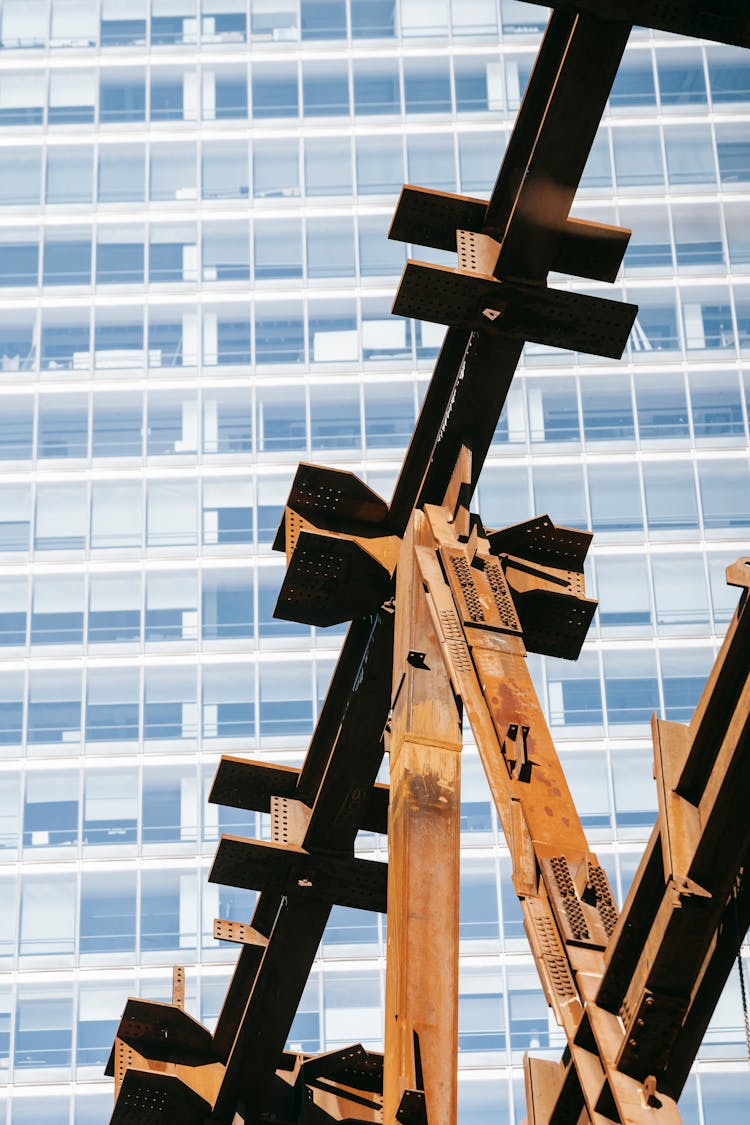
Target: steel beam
point(421, 1000)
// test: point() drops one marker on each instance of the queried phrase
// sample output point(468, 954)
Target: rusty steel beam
point(424, 829)
point(688, 907)
point(569, 912)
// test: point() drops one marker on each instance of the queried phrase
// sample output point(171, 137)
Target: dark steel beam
point(722, 21)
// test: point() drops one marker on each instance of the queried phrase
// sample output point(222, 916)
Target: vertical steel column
point(421, 1020)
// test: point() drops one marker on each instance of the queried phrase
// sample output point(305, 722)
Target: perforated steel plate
point(163, 1031)
point(243, 784)
point(329, 581)
point(554, 317)
point(158, 1099)
point(431, 218)
point(351, 1066)
point(334, 493)
point(553, 624)
point(285, 870)
point(540, 540)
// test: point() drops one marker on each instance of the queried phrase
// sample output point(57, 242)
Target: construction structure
point(443, 612)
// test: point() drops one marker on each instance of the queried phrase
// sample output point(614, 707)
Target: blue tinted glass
point(275, 91)
point(65, 342)
point(24, 186)
point(277, 249)
point(671, 503)
point(376, 86)
point(681, 78)
point(224, 170)
point(57, 611)
point(477, 83)
point(607, 409)
point(227, 605)
point(108, 912)
point(479, 911)
point(279, 334)
point(634, 84)
point(17, 429)
point(67, 262)
point(50, 812)
point(638, 159)
point(427, 87)
point(229, 703)
point(122, 96)
point(227, 512)
point(615, 498)
point(167, 97)
point(17, 342)
point(328, 166)
point(69, 175)
point(165, 923)
point(229, 26)
point(276, 168)
point(230, 96)
point(380, 165)
point(683, 679)
point(716, 404)
point(44, 1035)
point(372, 19)
point(114, 609)
point(323, 19)
point(119, 262)
point(285, 700)
point(122, 173)
point(170, 29)
point(432, 162)
point(690, 155)
point(662, 408)
point(733, 147)
point(325, 89)
point(630, 686)
point(54, 714)
point(123, 32)
point(19, 263)
point(725, 488)
point(729, 75)
point(23, 100)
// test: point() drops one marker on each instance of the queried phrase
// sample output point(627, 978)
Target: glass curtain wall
point(195, 283)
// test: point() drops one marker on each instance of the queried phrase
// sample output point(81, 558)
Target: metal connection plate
point(540, 540)
point(153, 1099)
point(555, 317)
point(329, 581)
point(431, 218)
point(243, 784)
point(164, 1031)
point(254, 865)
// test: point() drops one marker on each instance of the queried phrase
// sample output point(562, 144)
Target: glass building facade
point(195, 285)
